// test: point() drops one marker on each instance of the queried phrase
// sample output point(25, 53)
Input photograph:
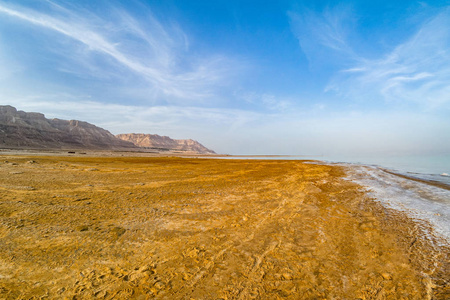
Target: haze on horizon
point(241, 77)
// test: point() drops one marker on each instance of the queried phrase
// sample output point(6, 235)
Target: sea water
point(428, 167)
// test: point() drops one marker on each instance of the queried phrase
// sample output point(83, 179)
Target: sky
point(241, 77)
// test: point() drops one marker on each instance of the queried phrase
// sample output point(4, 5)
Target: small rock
point(81, 199)
point(144, 269)
point(386, 276)
point(118, 230)
point(83, 228)
point(28, 188)
point(159, 285)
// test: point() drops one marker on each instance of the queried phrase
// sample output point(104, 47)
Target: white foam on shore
point(419, 200)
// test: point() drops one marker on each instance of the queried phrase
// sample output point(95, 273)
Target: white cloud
point(321, 35)
point(121, 118)
point(156, 53)
point(415, 71)
point(270, 102)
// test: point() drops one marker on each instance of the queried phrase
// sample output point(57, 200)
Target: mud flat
point(182, 228)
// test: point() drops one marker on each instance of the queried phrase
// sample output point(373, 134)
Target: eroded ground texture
point(179, 228)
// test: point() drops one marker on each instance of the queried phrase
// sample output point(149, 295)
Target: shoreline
point(425, 181)
point(184, 227)
point(143, 153)
point(391, 171)
point(422, 200)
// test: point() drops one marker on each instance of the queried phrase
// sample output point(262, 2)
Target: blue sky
point(242, 77)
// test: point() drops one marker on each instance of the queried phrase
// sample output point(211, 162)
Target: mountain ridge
point(157, 141)
point(19, 129)
point(32, 130)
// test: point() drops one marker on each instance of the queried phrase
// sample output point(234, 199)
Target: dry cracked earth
point(181, 228)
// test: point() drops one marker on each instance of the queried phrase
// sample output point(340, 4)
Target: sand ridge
point(184, 228)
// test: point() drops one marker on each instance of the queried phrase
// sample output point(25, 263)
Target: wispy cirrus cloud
point(269, 102)
point(122, 45)
point(417, 71)
point(121, 118)
point(324, 37)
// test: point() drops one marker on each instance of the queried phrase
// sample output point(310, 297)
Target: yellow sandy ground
point(179, 228)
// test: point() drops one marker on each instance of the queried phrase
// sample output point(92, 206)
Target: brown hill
point(19, 129)
point(164, 142)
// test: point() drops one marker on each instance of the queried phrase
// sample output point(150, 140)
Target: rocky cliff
point(19, 129)
point(164, 142)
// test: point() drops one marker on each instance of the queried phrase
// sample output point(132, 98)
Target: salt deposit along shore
point(84, 227)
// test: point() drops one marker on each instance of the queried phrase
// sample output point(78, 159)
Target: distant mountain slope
point(164, 142)
point(19, 129)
